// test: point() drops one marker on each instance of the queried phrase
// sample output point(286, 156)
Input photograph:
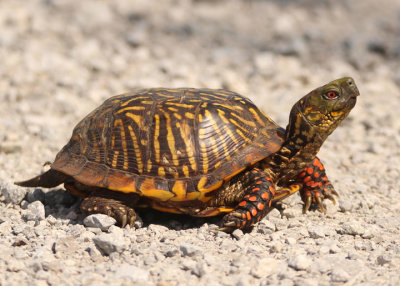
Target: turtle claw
point(124, 220)
point(236, 214)
point(307, 204)
point(321, 206)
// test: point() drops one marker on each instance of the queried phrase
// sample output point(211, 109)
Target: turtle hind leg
point(113, 204)
point(49, 179)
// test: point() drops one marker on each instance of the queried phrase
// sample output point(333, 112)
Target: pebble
point(12, 193)
point(345, 205)
point(134, 273)
point(352, 228)
point(188, 249)
point(101, 221)
point(316, 231)
point(109, 243)
point(339, 275)
point(300, 262)
point(383, 259)
point(265, 267)
point(35, 211)
point(237, 233)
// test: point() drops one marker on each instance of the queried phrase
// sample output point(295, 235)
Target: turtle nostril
point(350, 82)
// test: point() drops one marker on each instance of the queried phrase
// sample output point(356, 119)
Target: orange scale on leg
point(242, 203)
point(254, 212)
point(248, 215)
point(253, 199)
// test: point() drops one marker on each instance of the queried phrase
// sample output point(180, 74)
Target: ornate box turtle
point(200, 152)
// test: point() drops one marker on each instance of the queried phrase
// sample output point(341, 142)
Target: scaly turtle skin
point(200, 152)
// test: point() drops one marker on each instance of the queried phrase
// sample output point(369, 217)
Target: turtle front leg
point(256, 202)
point(316, 187)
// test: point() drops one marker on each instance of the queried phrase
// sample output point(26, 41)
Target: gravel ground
point(61, 59)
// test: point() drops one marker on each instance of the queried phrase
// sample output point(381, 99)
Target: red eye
point(331, 94)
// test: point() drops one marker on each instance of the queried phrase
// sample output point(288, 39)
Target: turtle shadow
point(62, 205)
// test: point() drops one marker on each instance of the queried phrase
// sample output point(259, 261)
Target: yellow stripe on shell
point(186, 134)
point(219, 134)
point(156, 135)
point(183, 105)
point(122, 110)
point(171, 141)
point(137, 118)
point(115, 158)
point(134, 98)
point(136, 148)
point(247, 122)
point(256, 116)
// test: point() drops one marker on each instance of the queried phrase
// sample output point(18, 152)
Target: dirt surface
point(61, 59)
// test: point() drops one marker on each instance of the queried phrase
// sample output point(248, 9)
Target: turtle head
point(325, 107)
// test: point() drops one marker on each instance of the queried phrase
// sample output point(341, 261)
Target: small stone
point(35, 211)
point(305, 282)
point(109, 243)
point(345, 205)
point(382, 259)
point(189, 249)
point(101, 221)
point(199, 269)
point(276, 247)
point(300, 262)
point(290, 240)
point(138, 222)
point(172, 252)
point(15, 265)
point(134, 273)
point(291, 212)
point(368, 234)
point(266, 227)
point(352, 228)
point(274, 213)
point(10, 147)
point(339, 275)
point(237, 233)
point(264, 267)
point(12, 193)
point(316, 232)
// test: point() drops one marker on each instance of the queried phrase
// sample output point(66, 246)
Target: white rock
point(35, 211)
point(101, 221)
point(134, 273)
point(188, 249)
point(300, 262)
point(12, 193)
point(265, 267)
point(109, 243)
point(339, 275)
point(352, 228)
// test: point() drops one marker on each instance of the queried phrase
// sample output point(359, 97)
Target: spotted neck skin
point(312, 119)
point(302, 143)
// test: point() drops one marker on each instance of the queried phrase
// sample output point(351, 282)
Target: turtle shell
point(168, 144)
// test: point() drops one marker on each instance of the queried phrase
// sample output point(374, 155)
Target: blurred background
point(60, 59)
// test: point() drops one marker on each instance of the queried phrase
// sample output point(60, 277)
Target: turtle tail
point(49, 179)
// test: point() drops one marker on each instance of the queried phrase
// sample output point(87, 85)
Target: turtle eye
point(331, 94)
